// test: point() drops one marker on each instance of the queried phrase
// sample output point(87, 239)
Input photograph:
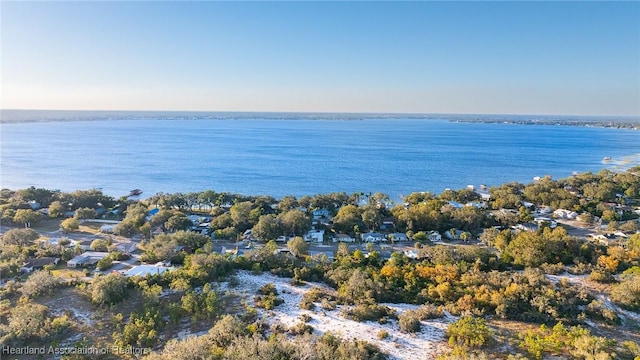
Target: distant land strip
point(9, 116)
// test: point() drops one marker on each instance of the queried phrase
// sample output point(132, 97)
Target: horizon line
point(323, 112)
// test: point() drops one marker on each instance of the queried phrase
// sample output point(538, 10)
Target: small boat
point(606, 159)
point(135, 192)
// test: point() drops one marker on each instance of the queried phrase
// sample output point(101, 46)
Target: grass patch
point(47, 225)
point(66, 273)
point(90, 227)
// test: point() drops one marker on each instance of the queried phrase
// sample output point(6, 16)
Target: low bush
point(553, 269)
point(300, 329)
point(409, 321)
point(328, 305)
point(369, 312)
point(429, 311)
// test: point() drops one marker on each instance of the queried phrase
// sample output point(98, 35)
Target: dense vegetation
point(507, 277)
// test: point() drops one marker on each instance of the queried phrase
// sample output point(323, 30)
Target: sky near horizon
point(580, 58)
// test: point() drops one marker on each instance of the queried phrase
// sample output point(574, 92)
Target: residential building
point(343, 238)
point(33, 264)
point(86, 259)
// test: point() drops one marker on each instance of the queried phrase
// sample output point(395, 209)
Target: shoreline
point(46, 116)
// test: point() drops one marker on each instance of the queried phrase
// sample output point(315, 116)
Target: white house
point(434, 236)
point(484, 194)
point(565, 214)
point(343, 238)
point(88, 258)
point(144, 270)
point(373, 237)
point(316, 236)
point(398, 237)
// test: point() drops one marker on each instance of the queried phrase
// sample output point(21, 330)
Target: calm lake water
point(283, 156)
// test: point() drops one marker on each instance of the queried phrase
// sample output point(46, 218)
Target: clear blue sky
point(430, 57)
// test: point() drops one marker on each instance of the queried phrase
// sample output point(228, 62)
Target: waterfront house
point(316, 236)
point(434, 236)
point(343, 238)
point(398, 237)
point(373, 237)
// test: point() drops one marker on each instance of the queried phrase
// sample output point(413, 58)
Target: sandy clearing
point(426, 344)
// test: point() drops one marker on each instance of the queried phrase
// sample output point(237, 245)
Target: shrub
point(328, 305)
point(307, 304)
point(469, 331)
point(553, 269)
point(369, 312)
point(601, 276)
point(383, 334)
point(300, 329)
point(409, 322)
point(104, 264)
point(109, 289)
point(627, 293)
point(39, 283)
point(268, 289)
point(429, 311)
point(305, 318)
point(580, 269)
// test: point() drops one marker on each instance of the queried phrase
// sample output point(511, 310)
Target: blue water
point(299, 157)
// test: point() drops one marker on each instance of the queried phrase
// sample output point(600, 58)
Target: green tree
point(190, 239)
point(29, 321)
point(100, 244)
point(267, 228)
point(69, 225)
point(178, 222)
point(347, 217)
point(20, 237)
point(627, 293)
point(371, 216)
point(85, 213)
point(633, 243)
point(26, 217)
point(56, 209)
point(39, 283)
point(295, 222)
point(298, 246)
point(109, 289)
point(470, 332)
point(287, 203)
point(240, 215)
